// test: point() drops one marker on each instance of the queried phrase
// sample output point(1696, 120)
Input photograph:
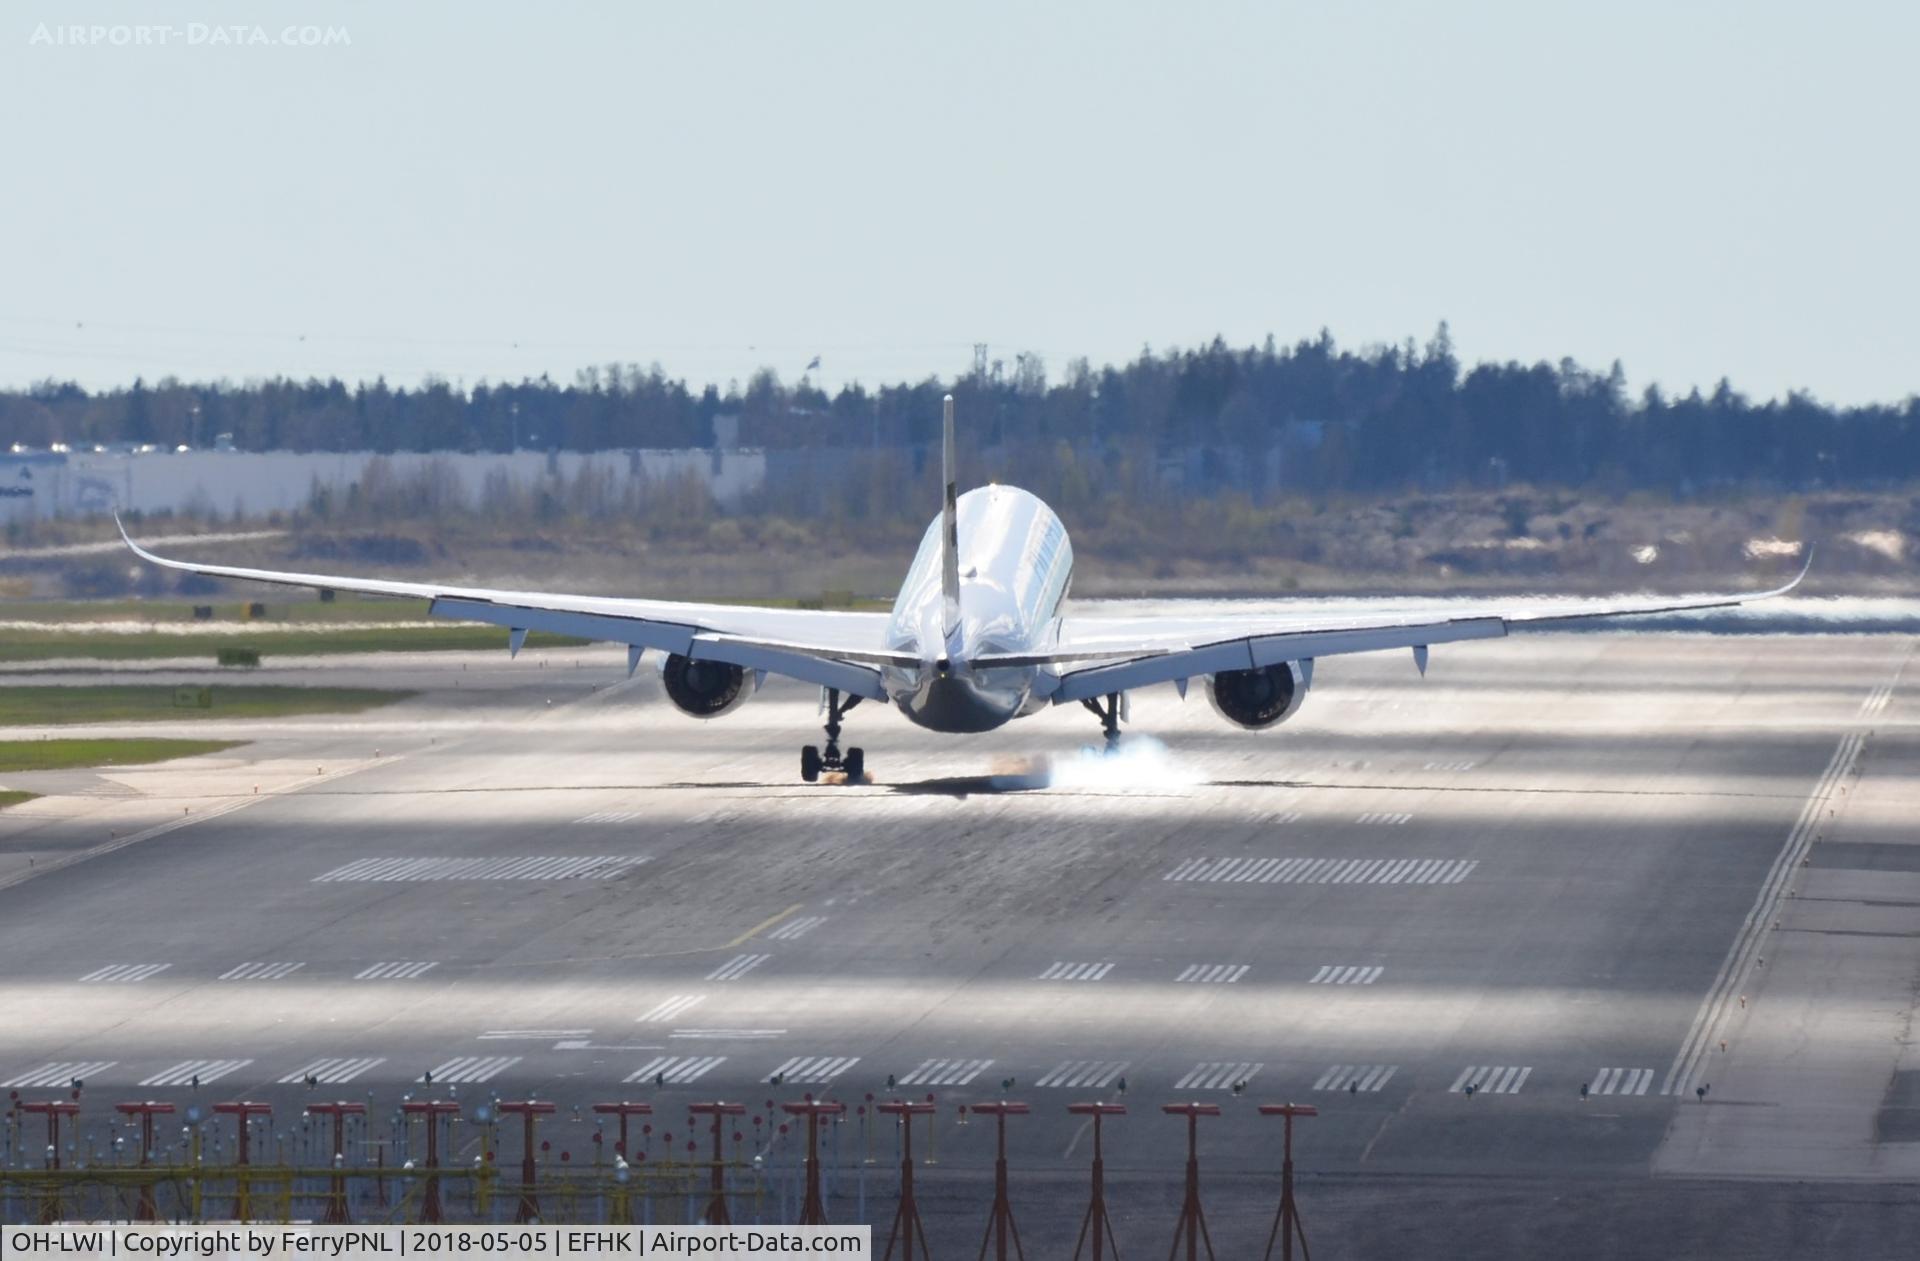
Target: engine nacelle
point(704, 689)
point(1258, 698)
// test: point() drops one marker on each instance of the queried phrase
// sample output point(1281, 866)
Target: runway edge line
point(1746, 947)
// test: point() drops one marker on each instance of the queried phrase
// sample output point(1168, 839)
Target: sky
point(491, 191)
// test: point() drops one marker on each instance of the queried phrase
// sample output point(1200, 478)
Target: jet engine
point(1258, 698)
point(704, 689)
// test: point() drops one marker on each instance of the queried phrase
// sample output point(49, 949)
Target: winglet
point(138, 550)
point(949, 526)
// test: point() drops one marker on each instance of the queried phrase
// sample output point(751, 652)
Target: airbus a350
point(979, 634)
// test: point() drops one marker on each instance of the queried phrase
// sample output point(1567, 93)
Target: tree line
point(1259, 420)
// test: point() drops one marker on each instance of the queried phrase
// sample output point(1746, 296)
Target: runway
point(1435, 908)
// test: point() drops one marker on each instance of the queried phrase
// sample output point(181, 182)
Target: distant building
point(50, 484)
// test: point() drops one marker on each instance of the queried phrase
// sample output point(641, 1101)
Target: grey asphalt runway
point(1557, 862)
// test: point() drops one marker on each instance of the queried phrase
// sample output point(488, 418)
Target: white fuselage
point(1015, 567)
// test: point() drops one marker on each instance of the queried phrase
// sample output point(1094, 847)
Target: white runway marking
point(1218, 1075)
point(1324, 870)
point(669, 1009)
point(1075, 972)
point(58, 1073)
point(532, 1035)
point(1356, 1078)
point(584, 867)
point(1334, 974)
point(1877, 700)
point(797, 928)
point(1717, 1007)
point(1622, 1081)
point(803, 1069)
point(737, 967)
point(676, 1070)
point(124, 973)
point(185, 1071)
point(1213, 973)
point(1486, 1079)
point(1079, 1074)
point(1387, 817)
point(1283, 817)
point(730, 1035)
point(261, 971)
point(334, 1071)
point(945, 1072)
point(611, 816)
point(396, 971)
point(1449, 766)
point(471, 1068)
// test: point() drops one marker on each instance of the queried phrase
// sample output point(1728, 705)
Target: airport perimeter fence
point(485, 1161)
point(427, 1161)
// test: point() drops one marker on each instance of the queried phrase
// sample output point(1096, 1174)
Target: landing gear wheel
point(1109, 716)
point(814, 760)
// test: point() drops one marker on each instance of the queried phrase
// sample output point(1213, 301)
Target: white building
point(59, 484)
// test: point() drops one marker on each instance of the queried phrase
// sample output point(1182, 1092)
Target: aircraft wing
point(831, 649)
point(1095, 655)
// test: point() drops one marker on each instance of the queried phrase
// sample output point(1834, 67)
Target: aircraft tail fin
point(949, 524)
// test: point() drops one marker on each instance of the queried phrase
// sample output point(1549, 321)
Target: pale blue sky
point(1699, 189)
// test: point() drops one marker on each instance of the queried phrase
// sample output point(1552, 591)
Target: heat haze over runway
point(1435, 908)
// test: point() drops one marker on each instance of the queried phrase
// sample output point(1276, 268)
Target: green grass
point(54, 706)
point(281, 607)
point(61, 755)
point(53, 643)
point(14, 798)
point(304, 609)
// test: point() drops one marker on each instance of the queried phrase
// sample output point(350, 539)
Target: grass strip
point(54, 644)
point(9, 798)
point(59, 706)
point(62, 755)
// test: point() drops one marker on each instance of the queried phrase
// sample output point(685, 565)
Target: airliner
point(978, 634)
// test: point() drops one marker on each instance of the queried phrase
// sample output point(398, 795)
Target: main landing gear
point(853, 763)
point(1109, 716)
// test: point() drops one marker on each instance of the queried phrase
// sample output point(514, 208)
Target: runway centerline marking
point(124, 973)
point(334, 1070)
point(260, 972)
point(1491, 1079)
point(1082, 1074)
point(533, 868)
point(1356, 1078)
point(1219, 1075)
point(807, 1069)
point(1621, 1081)
point(676, 1070)
point(469, 1068)
point(610, 816)
point(400, 970)
point(945, 1072)
point(737, 967)
point(1075, 972)
point(187, 1072)
point(1355, 974)
point(1302, 870)
point(672, 1007)
point(1213, 973)
point(58, 1073)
